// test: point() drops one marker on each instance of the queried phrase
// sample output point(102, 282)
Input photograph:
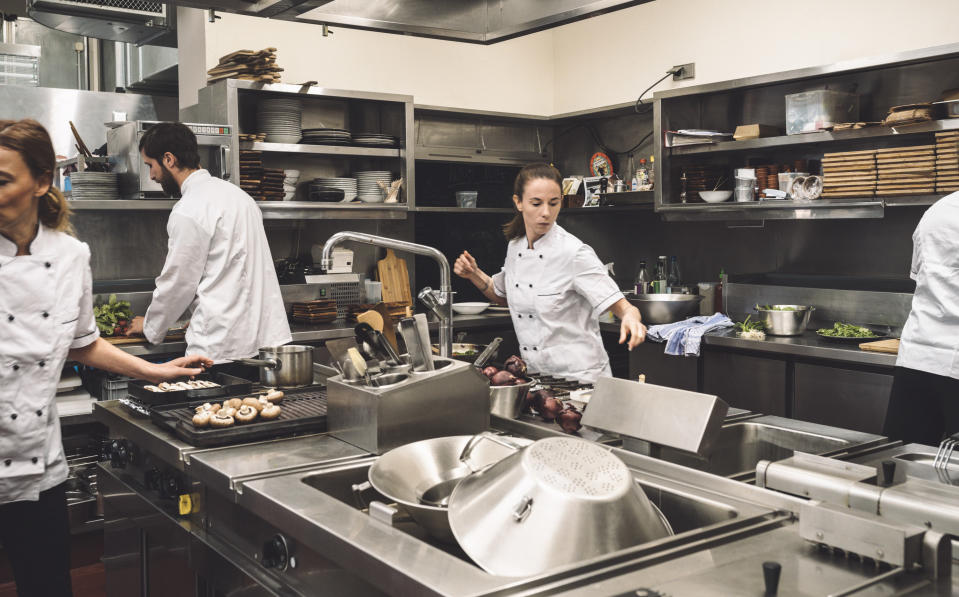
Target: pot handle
point(358, 489)
point(523, 509)
point(476, 439)
point(274, 364)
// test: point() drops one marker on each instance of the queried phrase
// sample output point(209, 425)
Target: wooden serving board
point(122, 340)
point(845, 153)
point(903, 149)
point(886, 346)
point(395, 278)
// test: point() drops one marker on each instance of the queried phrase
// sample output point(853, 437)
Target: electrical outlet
point(688, 71)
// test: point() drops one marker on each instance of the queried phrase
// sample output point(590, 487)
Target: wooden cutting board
point(121, 340)
point(886, 346)
point(395, 278)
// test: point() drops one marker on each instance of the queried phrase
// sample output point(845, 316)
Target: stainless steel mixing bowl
point(665, 308)
point(786, 320)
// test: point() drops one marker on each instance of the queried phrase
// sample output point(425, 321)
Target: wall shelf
point(326, 150)
point(464, 210)
point(272, 210)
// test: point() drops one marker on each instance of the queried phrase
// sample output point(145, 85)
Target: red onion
point(569, 419)
point(551, 408)
point(516, 366)
point(490, 371)
point(502, 378)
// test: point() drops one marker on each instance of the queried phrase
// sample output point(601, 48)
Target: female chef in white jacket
point(46, 316)
point(554, 284)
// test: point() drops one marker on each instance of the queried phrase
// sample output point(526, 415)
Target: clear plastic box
point(815, 110)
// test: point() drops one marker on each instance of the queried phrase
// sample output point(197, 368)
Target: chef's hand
point(465, 266)
point(631, 325)
point(136, 326)
point(188, 366)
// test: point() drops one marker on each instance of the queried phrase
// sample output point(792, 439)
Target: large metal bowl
point(665, 308)
point(559, 501)
point(792, 322)
point(507, 401)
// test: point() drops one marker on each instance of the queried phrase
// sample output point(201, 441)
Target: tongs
point(365, 333)
point(944, 455)
point(487, 353)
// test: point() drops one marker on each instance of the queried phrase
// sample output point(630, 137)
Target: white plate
point(470, 308)
point(498, 309)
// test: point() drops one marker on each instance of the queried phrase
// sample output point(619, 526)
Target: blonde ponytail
point(54, 211)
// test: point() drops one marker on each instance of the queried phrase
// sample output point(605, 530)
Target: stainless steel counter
point(808, 345)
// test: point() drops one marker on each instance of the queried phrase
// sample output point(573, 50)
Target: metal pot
point(423, 473)
point(288, 366)
point(559, 501)
point(791, 322)
point(507, 401)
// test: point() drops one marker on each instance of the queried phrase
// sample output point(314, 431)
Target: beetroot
point(516, 366)
point(535, 399)
point(490, 371)
point(569, 419)
point(502, 378)
point(551, 408)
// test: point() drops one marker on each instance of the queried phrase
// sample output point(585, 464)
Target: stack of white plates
point(323, 136)
point(375, 140)
point(349, 186)
point(91, 186)
point(280, 119)
point(368, 185)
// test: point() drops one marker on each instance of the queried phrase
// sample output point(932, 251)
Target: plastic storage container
point(466, 198)
point(815, 110)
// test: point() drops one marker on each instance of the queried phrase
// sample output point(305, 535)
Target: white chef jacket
point(930, 338)
point(46, 308)
point(218, 262)
point(556, 292)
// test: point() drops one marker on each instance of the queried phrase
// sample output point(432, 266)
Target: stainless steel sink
point(741, 445)
point(916, 460)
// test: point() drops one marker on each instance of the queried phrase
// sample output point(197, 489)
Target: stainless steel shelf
point(877, 132)
point(272, 210)
point(821, 209)
point(606, 209)
point(327, 150)
point(464, 210)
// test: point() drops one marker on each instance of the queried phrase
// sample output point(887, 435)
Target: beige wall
point(602, 61)
point(514, 76)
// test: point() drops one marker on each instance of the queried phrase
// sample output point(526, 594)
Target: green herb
point(775, 308)
point(847, 330)
point(113, 317)
point(750, 326)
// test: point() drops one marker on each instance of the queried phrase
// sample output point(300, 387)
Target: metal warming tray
point(303, 411)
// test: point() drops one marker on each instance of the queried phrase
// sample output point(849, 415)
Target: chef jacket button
point(34, 459)
point(14, 416)
point(47, 265)
point(16, 367)
point(524, 348)
point(520, 315)
point(519, 254)
point(45, 315)
point(535, 348)
point(517, 285)
point(530, 285)
point(7, 462)
point(42, 363)
point(10, 318)
point(39, 413)
point(541, 256)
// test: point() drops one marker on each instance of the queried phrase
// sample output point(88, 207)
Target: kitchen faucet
point(439, 302)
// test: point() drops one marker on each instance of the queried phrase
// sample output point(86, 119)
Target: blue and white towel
point(685, 337)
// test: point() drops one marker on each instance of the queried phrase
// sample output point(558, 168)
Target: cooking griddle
point(229, 386)
point(303, 411)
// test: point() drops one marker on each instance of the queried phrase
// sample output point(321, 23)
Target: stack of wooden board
point(947, 162)
point(704, 178)
point(396, 311)
point(906, 170)
point(318, 311)
point(246, 64)
point(271, 184)
point(251, 172)
point(253, 137)
point(849, 174)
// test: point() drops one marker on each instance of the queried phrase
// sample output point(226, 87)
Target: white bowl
point(288, 139)
point(372, 198)
point(292, 173)
point(469, 308)
point(715, 196)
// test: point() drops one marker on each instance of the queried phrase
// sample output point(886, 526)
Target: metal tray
point(229, 386)
point(304, 411)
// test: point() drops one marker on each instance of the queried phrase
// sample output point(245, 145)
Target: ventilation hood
point(476, 21)
point(132, 21)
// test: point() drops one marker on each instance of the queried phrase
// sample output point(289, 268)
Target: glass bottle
point(659, 283)
point(652, 172)
point(642, 279)
point(673, 278)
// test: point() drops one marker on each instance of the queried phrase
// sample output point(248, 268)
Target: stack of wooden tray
point(246, 64)
point(396, 311)
point(849, 174)
point(906, 170)
point(271, 185)
point(947, 162)
point(318, 311)
point(251, 172)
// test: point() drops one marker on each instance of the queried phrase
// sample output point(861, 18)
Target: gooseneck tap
point(444, 296)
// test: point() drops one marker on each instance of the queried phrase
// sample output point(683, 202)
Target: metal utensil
point(423, 331)
point(418, 353)
point(944, 455)
point(287, 366)
point(558, 501)
point(488, 353)
point(365, 333)
point(786, 320)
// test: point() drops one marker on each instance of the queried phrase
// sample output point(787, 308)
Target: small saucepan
point(288, 366)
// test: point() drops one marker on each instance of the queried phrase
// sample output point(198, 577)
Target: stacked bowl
point(290, 178)
point(368, 185)
point(347, 185)
point(280, 118)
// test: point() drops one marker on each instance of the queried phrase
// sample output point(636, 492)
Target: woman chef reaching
point(46, 317)
point(554, 284)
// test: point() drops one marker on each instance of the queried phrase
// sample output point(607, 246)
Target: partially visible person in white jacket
point(218, 260)
point(46, 317)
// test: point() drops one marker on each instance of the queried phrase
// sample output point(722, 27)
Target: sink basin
point(740, 446)
point(916, 460)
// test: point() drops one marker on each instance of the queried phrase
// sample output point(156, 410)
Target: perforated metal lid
point(577, 468)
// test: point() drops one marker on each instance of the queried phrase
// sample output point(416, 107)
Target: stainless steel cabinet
point(754, 383)
point(848, 398)
point(449, 138)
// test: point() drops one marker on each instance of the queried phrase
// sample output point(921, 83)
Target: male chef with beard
point(218, 259)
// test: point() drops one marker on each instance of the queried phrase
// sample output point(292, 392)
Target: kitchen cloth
point(685, 337)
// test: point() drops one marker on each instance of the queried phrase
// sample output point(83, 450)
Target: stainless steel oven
point(215, 143)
